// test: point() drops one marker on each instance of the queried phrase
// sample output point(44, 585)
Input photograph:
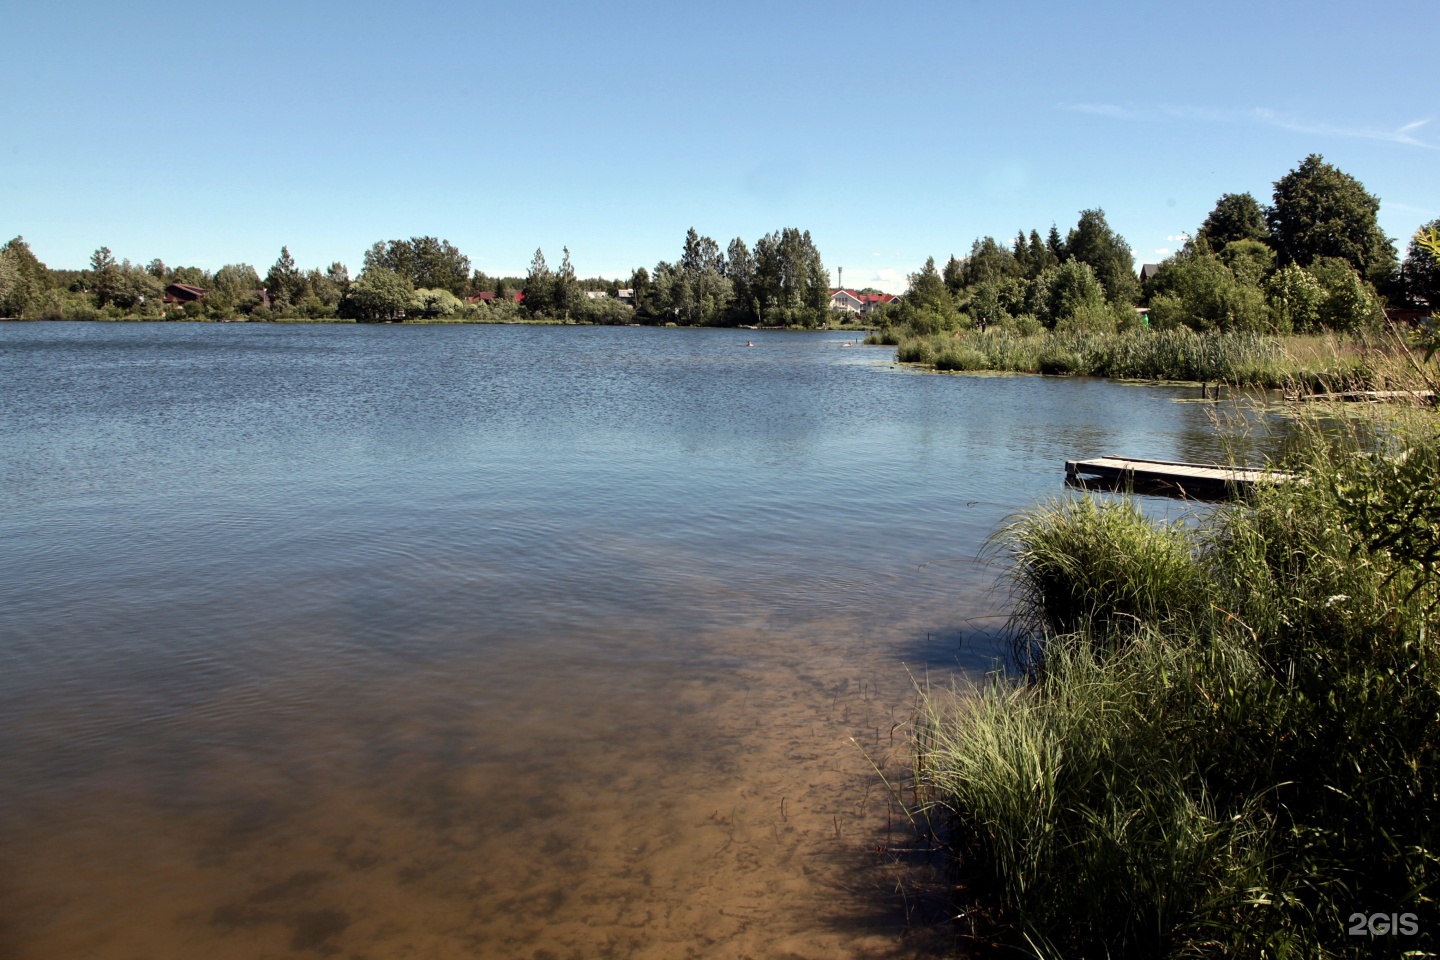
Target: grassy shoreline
point(1214, 740)
point(1245, 360)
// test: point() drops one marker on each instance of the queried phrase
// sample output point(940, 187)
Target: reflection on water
point(530, 642)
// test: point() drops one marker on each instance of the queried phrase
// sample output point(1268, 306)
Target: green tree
point(1039, 256)
point(989, 262)
point(705, 294)
point(1349, 303)
point(1058, 292)
point(194, 276)
point(928, 307)
point(427, 262)
point(236, 280)
point(24, 292)
point(1093, 242)
point(338, 274)
point(136, 290)
point(284, 283)
point(1319, 211)
point(235, 288)
point(640, 290)
point(322, 291)
point(954, 275)
point(1237, 216)
point(565, 293)
point(539, 290)
point(1250, 260)
point(9, 276)
point(1421, 269)
point(379, 294)
point(790, 284)
point(927, 289)
point(433, 303)
point(1195, 288)
point(1293, 297)
point(1055, 246)
point(104, 276)
point(740, 271)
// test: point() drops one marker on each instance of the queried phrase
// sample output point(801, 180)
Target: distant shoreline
point(339, 321)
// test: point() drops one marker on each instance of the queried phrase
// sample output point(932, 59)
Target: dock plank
point(1198, 481)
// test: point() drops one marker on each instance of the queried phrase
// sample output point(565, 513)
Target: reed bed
point(1243, 359)
point(1215, 740)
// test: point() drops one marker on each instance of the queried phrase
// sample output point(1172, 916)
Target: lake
point(456, 641)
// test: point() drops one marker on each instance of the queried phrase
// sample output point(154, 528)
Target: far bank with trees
point(1312, 262)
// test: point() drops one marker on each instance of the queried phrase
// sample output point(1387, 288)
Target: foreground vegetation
point(1219, 740)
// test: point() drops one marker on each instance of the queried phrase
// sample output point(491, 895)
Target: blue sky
point(213, 133)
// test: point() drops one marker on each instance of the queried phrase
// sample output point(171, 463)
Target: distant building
point(626, 296)
point(1148, 272)
point(489, 297)
point(183, 293)
point(848, 301)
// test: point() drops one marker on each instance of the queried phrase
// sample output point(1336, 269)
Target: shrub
point(1057, 360)
point(1089, 318)
point(961, 358)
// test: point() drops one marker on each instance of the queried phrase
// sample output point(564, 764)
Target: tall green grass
point(1225, 738)
point(1243, 359)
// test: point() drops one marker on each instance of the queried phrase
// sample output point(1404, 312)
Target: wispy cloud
point(1102, 110)
point(1409, 134)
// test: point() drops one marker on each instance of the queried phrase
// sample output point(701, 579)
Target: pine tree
point(539, 291)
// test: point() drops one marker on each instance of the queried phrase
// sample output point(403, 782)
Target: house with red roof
point(849, 301)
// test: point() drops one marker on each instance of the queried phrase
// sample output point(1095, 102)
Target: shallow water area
point(500, 641)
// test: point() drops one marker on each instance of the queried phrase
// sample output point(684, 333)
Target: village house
point(849, 301)
point(179, 294)
point(183, 293)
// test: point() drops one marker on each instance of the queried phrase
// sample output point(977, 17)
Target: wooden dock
point(1192, 481)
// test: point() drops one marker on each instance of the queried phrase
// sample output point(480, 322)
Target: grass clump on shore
point(1243, 359)
point(1221, 740)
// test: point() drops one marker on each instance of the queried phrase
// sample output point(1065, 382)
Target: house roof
point(1149, 270)
point(864, 297)
point(187, 288)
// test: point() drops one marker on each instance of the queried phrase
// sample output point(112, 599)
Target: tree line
point(783, 282)
point(1314, 258)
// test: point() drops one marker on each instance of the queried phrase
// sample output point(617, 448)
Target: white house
point(846, 301)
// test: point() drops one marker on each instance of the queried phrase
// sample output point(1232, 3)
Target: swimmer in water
point(749, 343)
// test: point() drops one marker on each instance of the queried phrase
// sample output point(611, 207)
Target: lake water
point(536, 642)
